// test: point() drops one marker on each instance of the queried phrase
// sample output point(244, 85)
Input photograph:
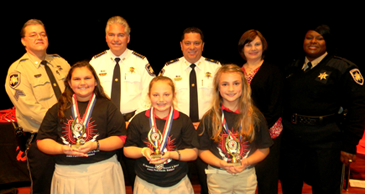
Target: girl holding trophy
point(233, 135)
point(82, 131)
point(161, 140)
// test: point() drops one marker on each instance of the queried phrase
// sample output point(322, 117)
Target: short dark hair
point(192, 30)
point(248, 37)
point(325, 31)
point(28, 23)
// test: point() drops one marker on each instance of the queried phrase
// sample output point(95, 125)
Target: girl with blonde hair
point(233, 135)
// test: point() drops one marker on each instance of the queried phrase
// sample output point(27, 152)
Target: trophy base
point(156, 156)
point(235, 163)
point(76, 146)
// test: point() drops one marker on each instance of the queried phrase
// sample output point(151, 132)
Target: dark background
point(78, 33)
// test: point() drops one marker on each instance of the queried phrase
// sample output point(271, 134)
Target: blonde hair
point(248, 113)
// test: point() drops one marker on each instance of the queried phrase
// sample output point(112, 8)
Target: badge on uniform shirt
point(131, 69)
point(323, 75)
point(208, 75)
point(356, 75)
point(178, 78)
point(14, 80)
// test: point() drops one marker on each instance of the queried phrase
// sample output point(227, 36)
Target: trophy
point(78, 130)
point(233, 148)
point(155, 138)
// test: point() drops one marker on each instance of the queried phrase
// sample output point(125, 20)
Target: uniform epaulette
point(55, 55)
point(212, 60)
point(172, 61)
point(138, 55)
point(100, 54)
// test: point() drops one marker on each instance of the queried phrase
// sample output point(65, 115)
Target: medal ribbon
point(225, 126)
point(87, 115)
point(167, 128)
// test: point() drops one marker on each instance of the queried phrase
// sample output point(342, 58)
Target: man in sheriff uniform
point(125, 73)
point(316, 142)
point(33, 84)
point(193, 71)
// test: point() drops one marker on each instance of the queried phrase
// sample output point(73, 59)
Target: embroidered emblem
point(18, 93)
point(14, 80)
point(161, 72)
point(208, 75)
point(150, 70)
point(323, 75)
point(356, 75)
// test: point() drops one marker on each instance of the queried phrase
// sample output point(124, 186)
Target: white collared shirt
point(136, 75)
point(315, 61)
point(179, 71)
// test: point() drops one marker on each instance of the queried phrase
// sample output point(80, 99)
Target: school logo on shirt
point(356, 75)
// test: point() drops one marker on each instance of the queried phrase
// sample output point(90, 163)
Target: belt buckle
point(294, 118)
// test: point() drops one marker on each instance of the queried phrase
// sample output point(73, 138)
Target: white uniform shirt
point(179, 71)
point(136, 74)
point(29, 89)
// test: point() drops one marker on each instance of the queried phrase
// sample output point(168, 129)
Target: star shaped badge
point(323, 76)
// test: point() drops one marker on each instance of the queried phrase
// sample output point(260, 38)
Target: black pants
point(41, 167)
point(310, 154)
point(267, 171)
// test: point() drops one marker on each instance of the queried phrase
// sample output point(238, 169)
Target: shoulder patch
point(356, 75)
point(150, 70)
point(161, 72)
point(14, 80)
point(172, 61)
point(212, 60)
point(138, 55)
point(100, 54)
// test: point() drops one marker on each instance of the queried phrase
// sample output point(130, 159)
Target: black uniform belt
point(312, 120)
point(128, 116)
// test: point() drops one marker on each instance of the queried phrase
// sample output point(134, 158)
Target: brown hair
point(28, 23)
point(65, 100)
point(248, 37)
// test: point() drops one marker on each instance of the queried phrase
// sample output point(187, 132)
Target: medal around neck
point(158, 140)
point(79, 125)
point(155, 138)
point(233, 148)
point(232, 144)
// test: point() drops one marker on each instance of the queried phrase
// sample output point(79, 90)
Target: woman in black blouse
point(266, 84)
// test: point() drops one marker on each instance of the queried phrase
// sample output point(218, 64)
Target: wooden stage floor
point(357, 172)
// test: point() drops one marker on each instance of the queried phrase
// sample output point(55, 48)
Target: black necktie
point(193, 108)
point(308, 66)
point(115, 95)
point(51, 77)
